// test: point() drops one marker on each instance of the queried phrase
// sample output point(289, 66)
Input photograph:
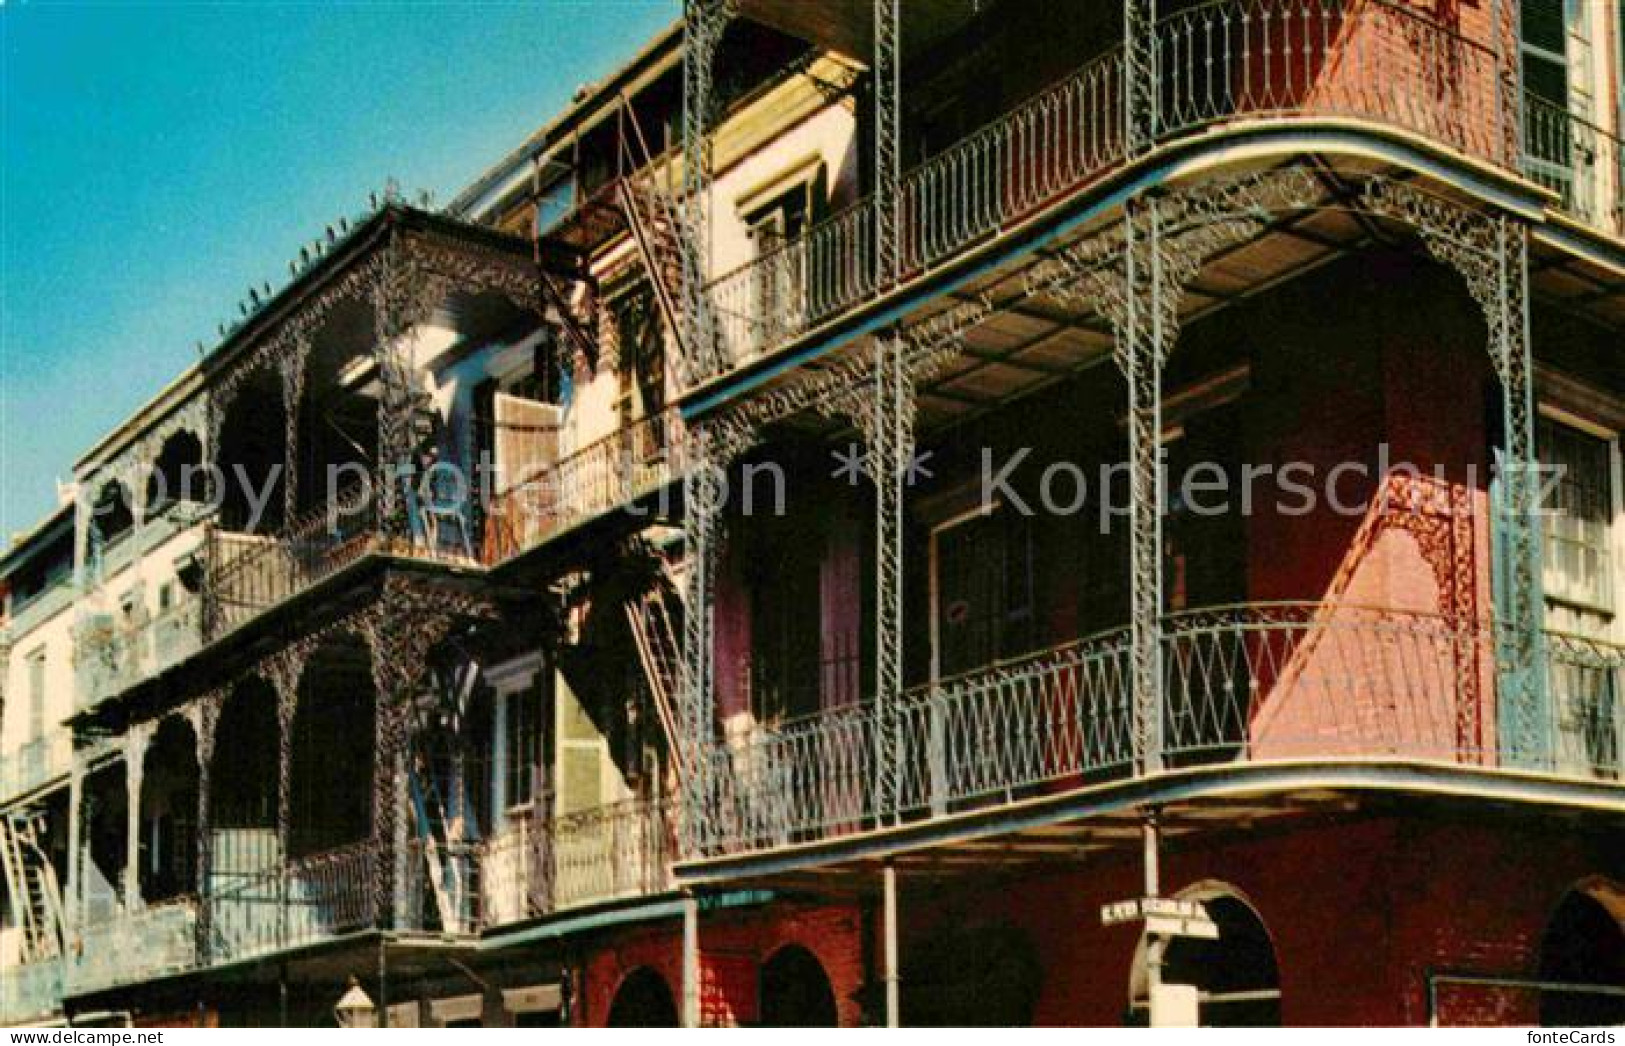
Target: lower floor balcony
point(31, 992)
point(532, 869)
point(129, 947)
point(1247, 684)
point(256, 910)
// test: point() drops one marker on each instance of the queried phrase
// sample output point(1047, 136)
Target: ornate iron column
point(1140, 354)
point(703, 493)
point(890, 435)
point(1140, 99)
point(401, 628)
point(703, 25)
point(205, 716)
point(135, 757)
point(888, 113)
point(76, 830)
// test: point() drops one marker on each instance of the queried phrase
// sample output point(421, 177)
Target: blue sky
point(156, 160)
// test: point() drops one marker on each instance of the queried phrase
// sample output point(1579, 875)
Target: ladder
point(445, 829)
point(31, 878)
point(656, 227)
point(652, 618)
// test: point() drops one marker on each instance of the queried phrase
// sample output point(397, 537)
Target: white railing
point(535, 867)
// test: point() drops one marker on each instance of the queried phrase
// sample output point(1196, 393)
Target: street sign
point(1166, 916)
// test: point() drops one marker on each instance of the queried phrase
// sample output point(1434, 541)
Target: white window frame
point(1616, 527)
point(507, 680)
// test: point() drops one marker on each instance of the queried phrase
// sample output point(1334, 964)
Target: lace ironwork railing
point(1578, 160)
point(630, 463)
point(440, 892)
point(248, 574)
point(536, 867)
point(131, 947)
point(1252, 683)
point(110, 657)
point(305, 901)
point(1221, 62)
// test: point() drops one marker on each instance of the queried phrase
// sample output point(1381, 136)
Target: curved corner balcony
point(1215, 65)
point(1244, 685)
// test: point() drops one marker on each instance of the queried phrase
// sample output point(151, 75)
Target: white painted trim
point(515, 674)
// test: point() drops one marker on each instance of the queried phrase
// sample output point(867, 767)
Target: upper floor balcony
point(1235, 67)
point(1322, 686)
point(628, 466)
point(114, 651)
point(257, 908)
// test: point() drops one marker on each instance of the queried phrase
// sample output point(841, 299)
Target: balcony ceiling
point(847, 26)
point(1031, 342)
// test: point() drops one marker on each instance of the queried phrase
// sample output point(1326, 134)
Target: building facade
point(945, 513)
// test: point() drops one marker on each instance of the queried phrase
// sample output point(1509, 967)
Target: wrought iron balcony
point(35, 763)
point(537, 867)
point(288, 905)
point(132, 947)
point(111, 655)
point(630, 463)
point(1241, 685)
point(30, 992)
point(1581, 162)
point(1226, 62)
point(249, 574)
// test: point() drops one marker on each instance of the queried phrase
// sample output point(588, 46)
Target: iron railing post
point(702, 521)
point(890, 437)
point(1141, 359)
point(888, 112)
point(703, 25)
point(1140, 81)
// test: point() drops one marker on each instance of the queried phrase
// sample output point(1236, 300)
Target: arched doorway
point(176, 475)
point(1235, 975)
point(330, 779)
point(642, 1001)
point(1584, 944)
point(796, 992)
point(169, 795)
point(251, 456)
point(243, 779)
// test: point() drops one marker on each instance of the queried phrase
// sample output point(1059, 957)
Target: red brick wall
point(1358, 912)
point(731, 944)
point(1395, 356)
